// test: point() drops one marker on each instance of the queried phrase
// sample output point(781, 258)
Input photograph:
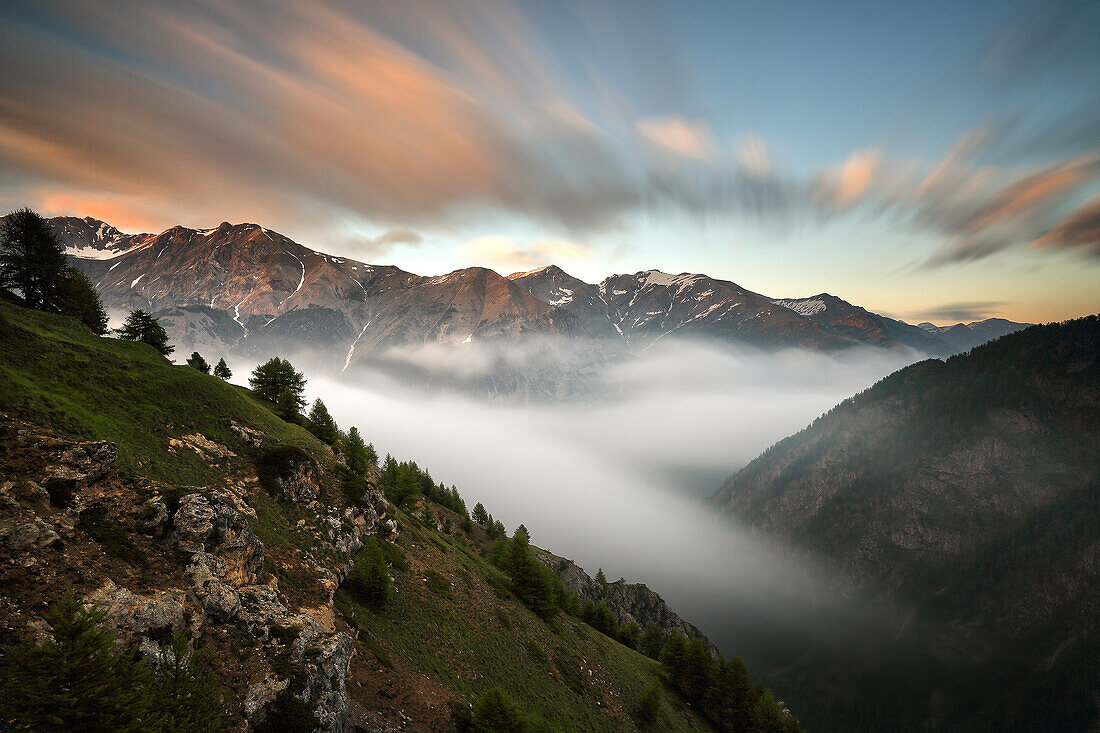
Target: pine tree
point(601, 579)
point(32, 260)
point(496, 713)
point(76, 679)
point(276, 376)
point(355, 452)
point(144, 327)
point(480, 515)
point(369, 581)
point(288, 405)
point(188, 698)
point(672, 657)
point(697, 670)
point(629, 634)
point(652, 641)
point(321, 423)
point(221, 371)
point(195, 361)
point(78, 297)
point(530, 579)
point(730, 698)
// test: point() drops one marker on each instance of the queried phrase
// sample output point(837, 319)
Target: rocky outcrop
point(215, 525)
point(630, 602)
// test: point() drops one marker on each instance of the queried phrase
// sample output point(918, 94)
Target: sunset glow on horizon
point(928, 162)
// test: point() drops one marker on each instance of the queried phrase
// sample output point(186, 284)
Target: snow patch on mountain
point(803, 307)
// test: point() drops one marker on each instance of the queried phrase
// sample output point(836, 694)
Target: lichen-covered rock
point(78, 466)
point(300, 479)
point(326, 658)
point(260, 695)
point(260, 604)
point(156, 516)
point(163, 611)
point(213, 524)
point(219, 600)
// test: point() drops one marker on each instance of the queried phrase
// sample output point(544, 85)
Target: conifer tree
point(480, 515)
point(652, 641)
point(195, 361)
point(322, 424)
point(32, 260)
point(697, 670)
point(187, 696)
point(530, 579)
point(601, 579)
point(355, 452)
point(222, 371)
point(672, 657)
point(78, 297)
point(144, 327)
point(496, 713)
point(369, 581)
point(76, 679)
point(276, 376)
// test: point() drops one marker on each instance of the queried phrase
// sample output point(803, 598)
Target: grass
point(55, 372)
point(452, 618)
point(456, 629)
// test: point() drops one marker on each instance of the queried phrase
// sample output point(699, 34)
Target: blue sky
point(934, 161)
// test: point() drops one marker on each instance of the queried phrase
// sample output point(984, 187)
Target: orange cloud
point(679, 135)
point(509, 254)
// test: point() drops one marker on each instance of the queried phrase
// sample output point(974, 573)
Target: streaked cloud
point(385, 242)
point(963, 312)
point(752, 155)
point(507, 254)
point(681, 136)
point(1079, 231)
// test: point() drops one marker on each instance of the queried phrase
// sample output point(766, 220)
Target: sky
point(930, 161)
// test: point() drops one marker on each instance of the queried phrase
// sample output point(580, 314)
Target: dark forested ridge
point(966, 492)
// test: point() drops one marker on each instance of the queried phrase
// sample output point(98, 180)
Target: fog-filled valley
point(622, 481)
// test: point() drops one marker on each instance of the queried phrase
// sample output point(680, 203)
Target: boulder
point(213, 524)
point(161, 612)
point(219, 600)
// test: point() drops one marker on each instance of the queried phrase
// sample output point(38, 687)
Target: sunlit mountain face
point(783, 310)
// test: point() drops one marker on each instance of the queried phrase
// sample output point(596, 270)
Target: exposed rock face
point(214, 525)
point(78, 466)
point(299, 478)
point(141, 615)
point(326, 659)
point(628, 601)
point(196, 570)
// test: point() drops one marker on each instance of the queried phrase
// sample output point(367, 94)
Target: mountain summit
point(243, 288)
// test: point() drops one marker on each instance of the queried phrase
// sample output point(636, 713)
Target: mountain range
point(964, 493)
point(244, 289)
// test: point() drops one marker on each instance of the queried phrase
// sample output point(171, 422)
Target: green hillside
point(451, 631)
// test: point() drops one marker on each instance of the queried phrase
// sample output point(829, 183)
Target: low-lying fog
point(622, 484)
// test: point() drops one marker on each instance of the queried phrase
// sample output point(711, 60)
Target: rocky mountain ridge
point(248, 290)
point(966, 492)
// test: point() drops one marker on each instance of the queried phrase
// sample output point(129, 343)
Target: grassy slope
point(564, 674)
point(54, 372)
point(467, 636)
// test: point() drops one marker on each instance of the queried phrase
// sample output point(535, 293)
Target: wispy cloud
point(690, 139)
point(508, 254)
point(961, 312)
